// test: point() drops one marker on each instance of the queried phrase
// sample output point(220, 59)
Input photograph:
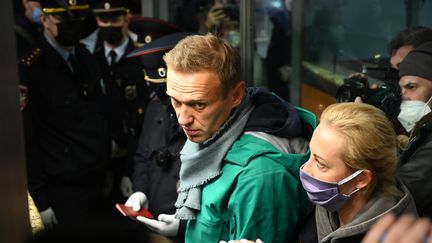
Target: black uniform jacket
point(157, 161)
point(125, 87)
point(67, 135)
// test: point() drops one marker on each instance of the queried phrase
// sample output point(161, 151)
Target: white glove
point(167, 225)
point(136, 201)
point(126, 186)
point(242, 241)
point(48, 218)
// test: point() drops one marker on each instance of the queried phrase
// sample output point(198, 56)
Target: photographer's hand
point(215, 16)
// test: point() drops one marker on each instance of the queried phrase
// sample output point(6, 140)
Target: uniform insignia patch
point(130, 92)
point(31, 57)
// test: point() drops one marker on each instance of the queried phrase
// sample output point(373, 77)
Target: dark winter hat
point(418, 62)
point(151, 56)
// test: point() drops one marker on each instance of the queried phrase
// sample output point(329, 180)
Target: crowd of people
point(161, 120)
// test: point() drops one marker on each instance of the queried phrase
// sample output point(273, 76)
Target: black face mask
point(113, 35)
point(69, 32)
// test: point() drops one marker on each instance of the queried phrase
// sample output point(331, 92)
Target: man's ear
point(44, 20)
point(364, 179)
point(238, 93)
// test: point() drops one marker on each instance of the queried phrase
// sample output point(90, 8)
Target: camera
point(387, 97)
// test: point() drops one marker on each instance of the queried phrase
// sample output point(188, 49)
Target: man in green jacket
point(240, 164)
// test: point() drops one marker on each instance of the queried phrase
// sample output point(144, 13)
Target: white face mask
point(412, 111)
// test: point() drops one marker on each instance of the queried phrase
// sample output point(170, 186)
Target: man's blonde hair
point(370, 142)
point(198, 53)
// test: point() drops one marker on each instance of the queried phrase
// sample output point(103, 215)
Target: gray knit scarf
point(203, 162)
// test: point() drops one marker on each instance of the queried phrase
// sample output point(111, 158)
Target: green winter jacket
point(258, 194)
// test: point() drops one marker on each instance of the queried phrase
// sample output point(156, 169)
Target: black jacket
point(157, 161)
point(66, 129)
point(127, 96)
point(415, 165)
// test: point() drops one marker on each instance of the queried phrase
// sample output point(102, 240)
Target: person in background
point(221, 18)
point(278, 60)
point(122, 83)
point(27, 24)
point(67, 144)
point(405, 41)
point(351, 173)
point(157, 160)
point(401, 44)
point(240, 163)
point(415, 167)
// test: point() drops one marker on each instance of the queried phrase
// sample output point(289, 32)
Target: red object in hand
point(128, 211)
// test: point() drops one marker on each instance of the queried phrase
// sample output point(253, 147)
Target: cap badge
point(162, 72)
point(107, 5)
point(147, 39)
point(130, 92)
point(72, 2)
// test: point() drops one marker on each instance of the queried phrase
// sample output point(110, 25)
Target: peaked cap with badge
point(149, 29)
point(151, 56)
point(61, 6)
point(110, 8)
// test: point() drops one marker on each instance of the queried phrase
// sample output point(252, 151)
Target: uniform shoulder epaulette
point(31, 57)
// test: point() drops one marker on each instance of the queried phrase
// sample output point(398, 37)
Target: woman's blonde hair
point(198, 53)
point(370, 142)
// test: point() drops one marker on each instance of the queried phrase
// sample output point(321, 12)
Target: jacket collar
point(377, 206)
point(56, 59)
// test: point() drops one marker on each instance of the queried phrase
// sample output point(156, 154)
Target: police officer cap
point(61, 6)
point(149, 29)
point(418, 62)
point(110, 8)
point(151, 56)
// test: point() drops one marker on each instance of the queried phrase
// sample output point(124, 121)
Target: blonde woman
point(351, 173)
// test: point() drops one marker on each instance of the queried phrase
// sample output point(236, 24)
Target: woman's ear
point(364, 179)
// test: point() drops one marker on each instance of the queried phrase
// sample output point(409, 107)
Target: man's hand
point(48, 218)
point(406, 229)
point(166, 225)
point(137, 201)
point(126, 186)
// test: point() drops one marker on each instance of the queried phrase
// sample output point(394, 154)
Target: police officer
point(68, 145)
point(157, 162)
point(122, 82)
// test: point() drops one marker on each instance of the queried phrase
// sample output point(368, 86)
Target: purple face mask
point(326, 194)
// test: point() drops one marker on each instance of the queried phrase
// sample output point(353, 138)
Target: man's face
point(199, 103)
point(29, 7)
point(415, 88)
point(399, 55)
point(49, 23)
